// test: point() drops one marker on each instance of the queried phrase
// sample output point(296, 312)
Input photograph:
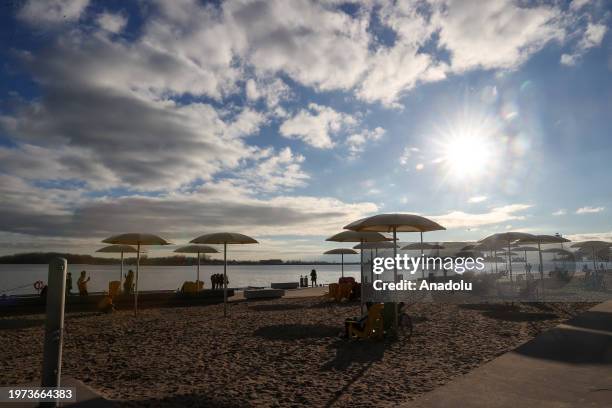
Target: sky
point(288, 120)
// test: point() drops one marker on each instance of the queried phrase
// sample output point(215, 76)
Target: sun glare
point(466, 155)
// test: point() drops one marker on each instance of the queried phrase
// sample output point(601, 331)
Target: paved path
point(568, 366)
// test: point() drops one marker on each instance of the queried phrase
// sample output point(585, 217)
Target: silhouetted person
point(313, 277)
point(82, 284)
point(128, 284)
point(68, 283)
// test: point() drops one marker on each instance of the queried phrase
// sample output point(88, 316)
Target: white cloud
point(356, 142)
point(589, 210)
point(560, 212)
point(498, 215)
point(477, 199)
point(52, 12)
point(113, 23)
point(590, 236)
point(272, 91)
point(591, 37)
point(316, 125)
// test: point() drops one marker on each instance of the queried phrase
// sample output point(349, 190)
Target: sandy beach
point(271, 353)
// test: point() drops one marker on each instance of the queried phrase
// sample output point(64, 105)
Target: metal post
point(361, 278)
point(422, 269)
point(225, 279)
point(198, 277)
point(121, 271)
point(342, 257)
point(54, 324)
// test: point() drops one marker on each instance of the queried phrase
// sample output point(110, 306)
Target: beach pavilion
point(138, 239)
point(341, 252)
point(224, 238)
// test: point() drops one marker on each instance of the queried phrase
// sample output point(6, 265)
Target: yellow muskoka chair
point(333, 290)
point(373, 327)
point(344, 291)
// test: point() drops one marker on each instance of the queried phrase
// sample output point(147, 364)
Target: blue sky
point(287, 121)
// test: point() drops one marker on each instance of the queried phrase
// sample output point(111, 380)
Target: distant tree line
point(175, 260)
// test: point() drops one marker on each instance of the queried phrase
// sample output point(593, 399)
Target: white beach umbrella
point(395, 223)
point(197, 249)
point(594, 246)
point(362, 238)
point(138, 239)
point(341, 252)
point(508, 238)
point(224, 238)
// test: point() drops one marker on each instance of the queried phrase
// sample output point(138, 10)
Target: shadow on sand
point(276, 307)
point(10, 324)
point(296, 331)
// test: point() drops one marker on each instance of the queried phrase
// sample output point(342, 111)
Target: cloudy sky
point(287, 120)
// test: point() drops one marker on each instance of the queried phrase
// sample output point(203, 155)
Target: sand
point(270, 353)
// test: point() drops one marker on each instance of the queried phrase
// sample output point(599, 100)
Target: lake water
point(170, 277)
point(19, 279)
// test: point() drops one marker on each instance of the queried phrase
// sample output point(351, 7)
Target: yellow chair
point(373, 326)
point(345, 291)
point(113, 289)
point(333, 290)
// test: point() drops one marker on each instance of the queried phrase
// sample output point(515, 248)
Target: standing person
point(68, 284)
point(82, 284)
point(128, 284)
point(313, 277)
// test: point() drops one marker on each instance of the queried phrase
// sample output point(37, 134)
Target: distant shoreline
point(34, 258)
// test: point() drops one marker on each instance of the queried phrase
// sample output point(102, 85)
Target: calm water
point(19, 279)
point(170, 277)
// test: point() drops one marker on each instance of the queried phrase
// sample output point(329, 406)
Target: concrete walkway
point(568, 366)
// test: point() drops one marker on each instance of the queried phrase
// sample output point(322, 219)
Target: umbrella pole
point(136, 286)
point(342, 261)
point(371, 266)
point(541, 269)
point(198, 277)
point(395, 308)
point(422, 269)
point(225, 279)
point(361, 279)
point(121, 271)
point(510, 260)
point(594, 262)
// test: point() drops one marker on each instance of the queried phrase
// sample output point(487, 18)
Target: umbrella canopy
point(118, 249)
point(423, 245)
point(224, 238)
point(354, 236)
point(508, 238)
point(197, 249)
point(594, 246)
point(395, 222)
point(376, 245)
point(135, 238)
point(543, 239)
point(138, 239)
point(341, 252)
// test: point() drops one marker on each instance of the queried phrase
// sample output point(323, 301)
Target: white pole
point(225, 279)
point(422, 269)
point(198, 278)
point(342, 257)
point(361, 278)
point(121, 271)
point(395, 308)
point(136, 286)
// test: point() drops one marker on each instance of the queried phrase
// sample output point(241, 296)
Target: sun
point(466, 155)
